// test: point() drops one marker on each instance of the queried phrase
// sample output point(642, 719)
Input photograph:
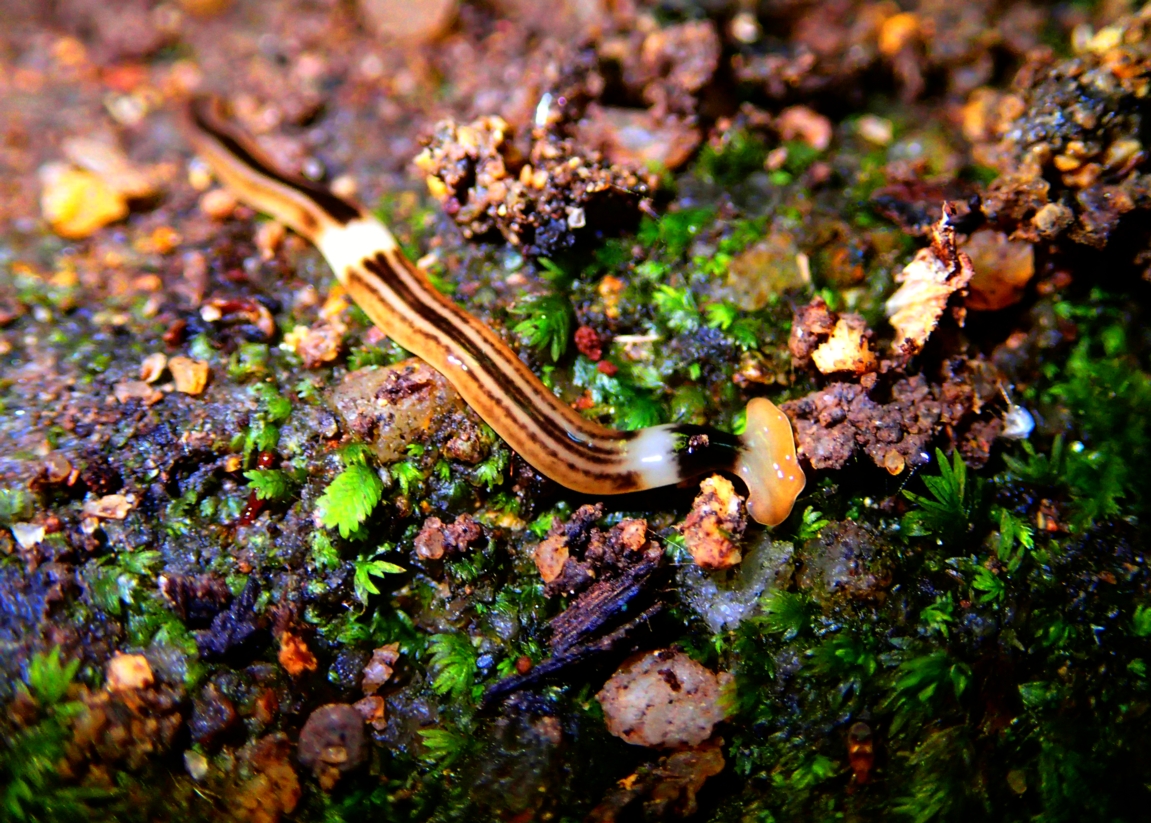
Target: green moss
point(739, 154)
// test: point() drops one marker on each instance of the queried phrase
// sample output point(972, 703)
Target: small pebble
point(127, 672)
point(153, 366)
point(345, 186)
point(218, 204)
point(196, 764)
point(191, 376)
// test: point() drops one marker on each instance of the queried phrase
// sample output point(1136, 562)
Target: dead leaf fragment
point(27, 534)
point(802, 123)
point(78, 203)
point(110, 506)
point(927, 284)
point(128, 671)
point(190, 376)
point(847, 349)
point(295, 656)
point(380, 667)
point(153, 366)
point(371, 708)
point(111, 165)
point(127, 390)
point(320, 344)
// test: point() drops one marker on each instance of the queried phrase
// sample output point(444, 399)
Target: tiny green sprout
point(1039, 469)
point(811, 524)
point(542, 525)
point(991, 586)
point(350, 498)
point(939, 615)
point(786, 613)
point(443, 470)
point(407, 475)
point(324, 554)
point(269, 484)
point(1014, 532)
point(676, 307)
point(490, 473)
point(453, 663)
point(923, 679)
point(443, 747)
point(48, 678)
point(1141, 623)
point(676, 230)
point(354, 453)
point(366, 570)
point(546, 324)
point(721, 315)
point(415, 450)
point(552, 271)
point(953, 503)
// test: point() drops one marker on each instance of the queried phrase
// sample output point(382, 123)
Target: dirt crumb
point(715, 525)
point(662, 699)
point(833, 422)
point(542, 201)
point(667, 788)
point(332, 742)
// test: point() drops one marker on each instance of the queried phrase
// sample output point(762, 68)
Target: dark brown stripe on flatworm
point(448, 326)
point(335, 207)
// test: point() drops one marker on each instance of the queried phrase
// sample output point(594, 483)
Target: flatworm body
point(555, 439)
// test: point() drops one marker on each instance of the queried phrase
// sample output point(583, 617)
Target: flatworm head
point(768, 464)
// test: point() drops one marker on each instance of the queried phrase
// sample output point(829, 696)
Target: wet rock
point(124, 726)
point(636, 138)
point(407, 22)
point(273, 791)
point(393, 406)
point(380, 667)
point(724, 600)
point(845, 561)
point(662, 699)
point(575, 553)
point(768, 267)
point(213, 714)
point(332, 742)
point(1070, 135)
point(234, 629)
point(1003, 268)
point(523, 767)
point(435, 539)
point(197, 599)
point(123, 31)
point(672, 65)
